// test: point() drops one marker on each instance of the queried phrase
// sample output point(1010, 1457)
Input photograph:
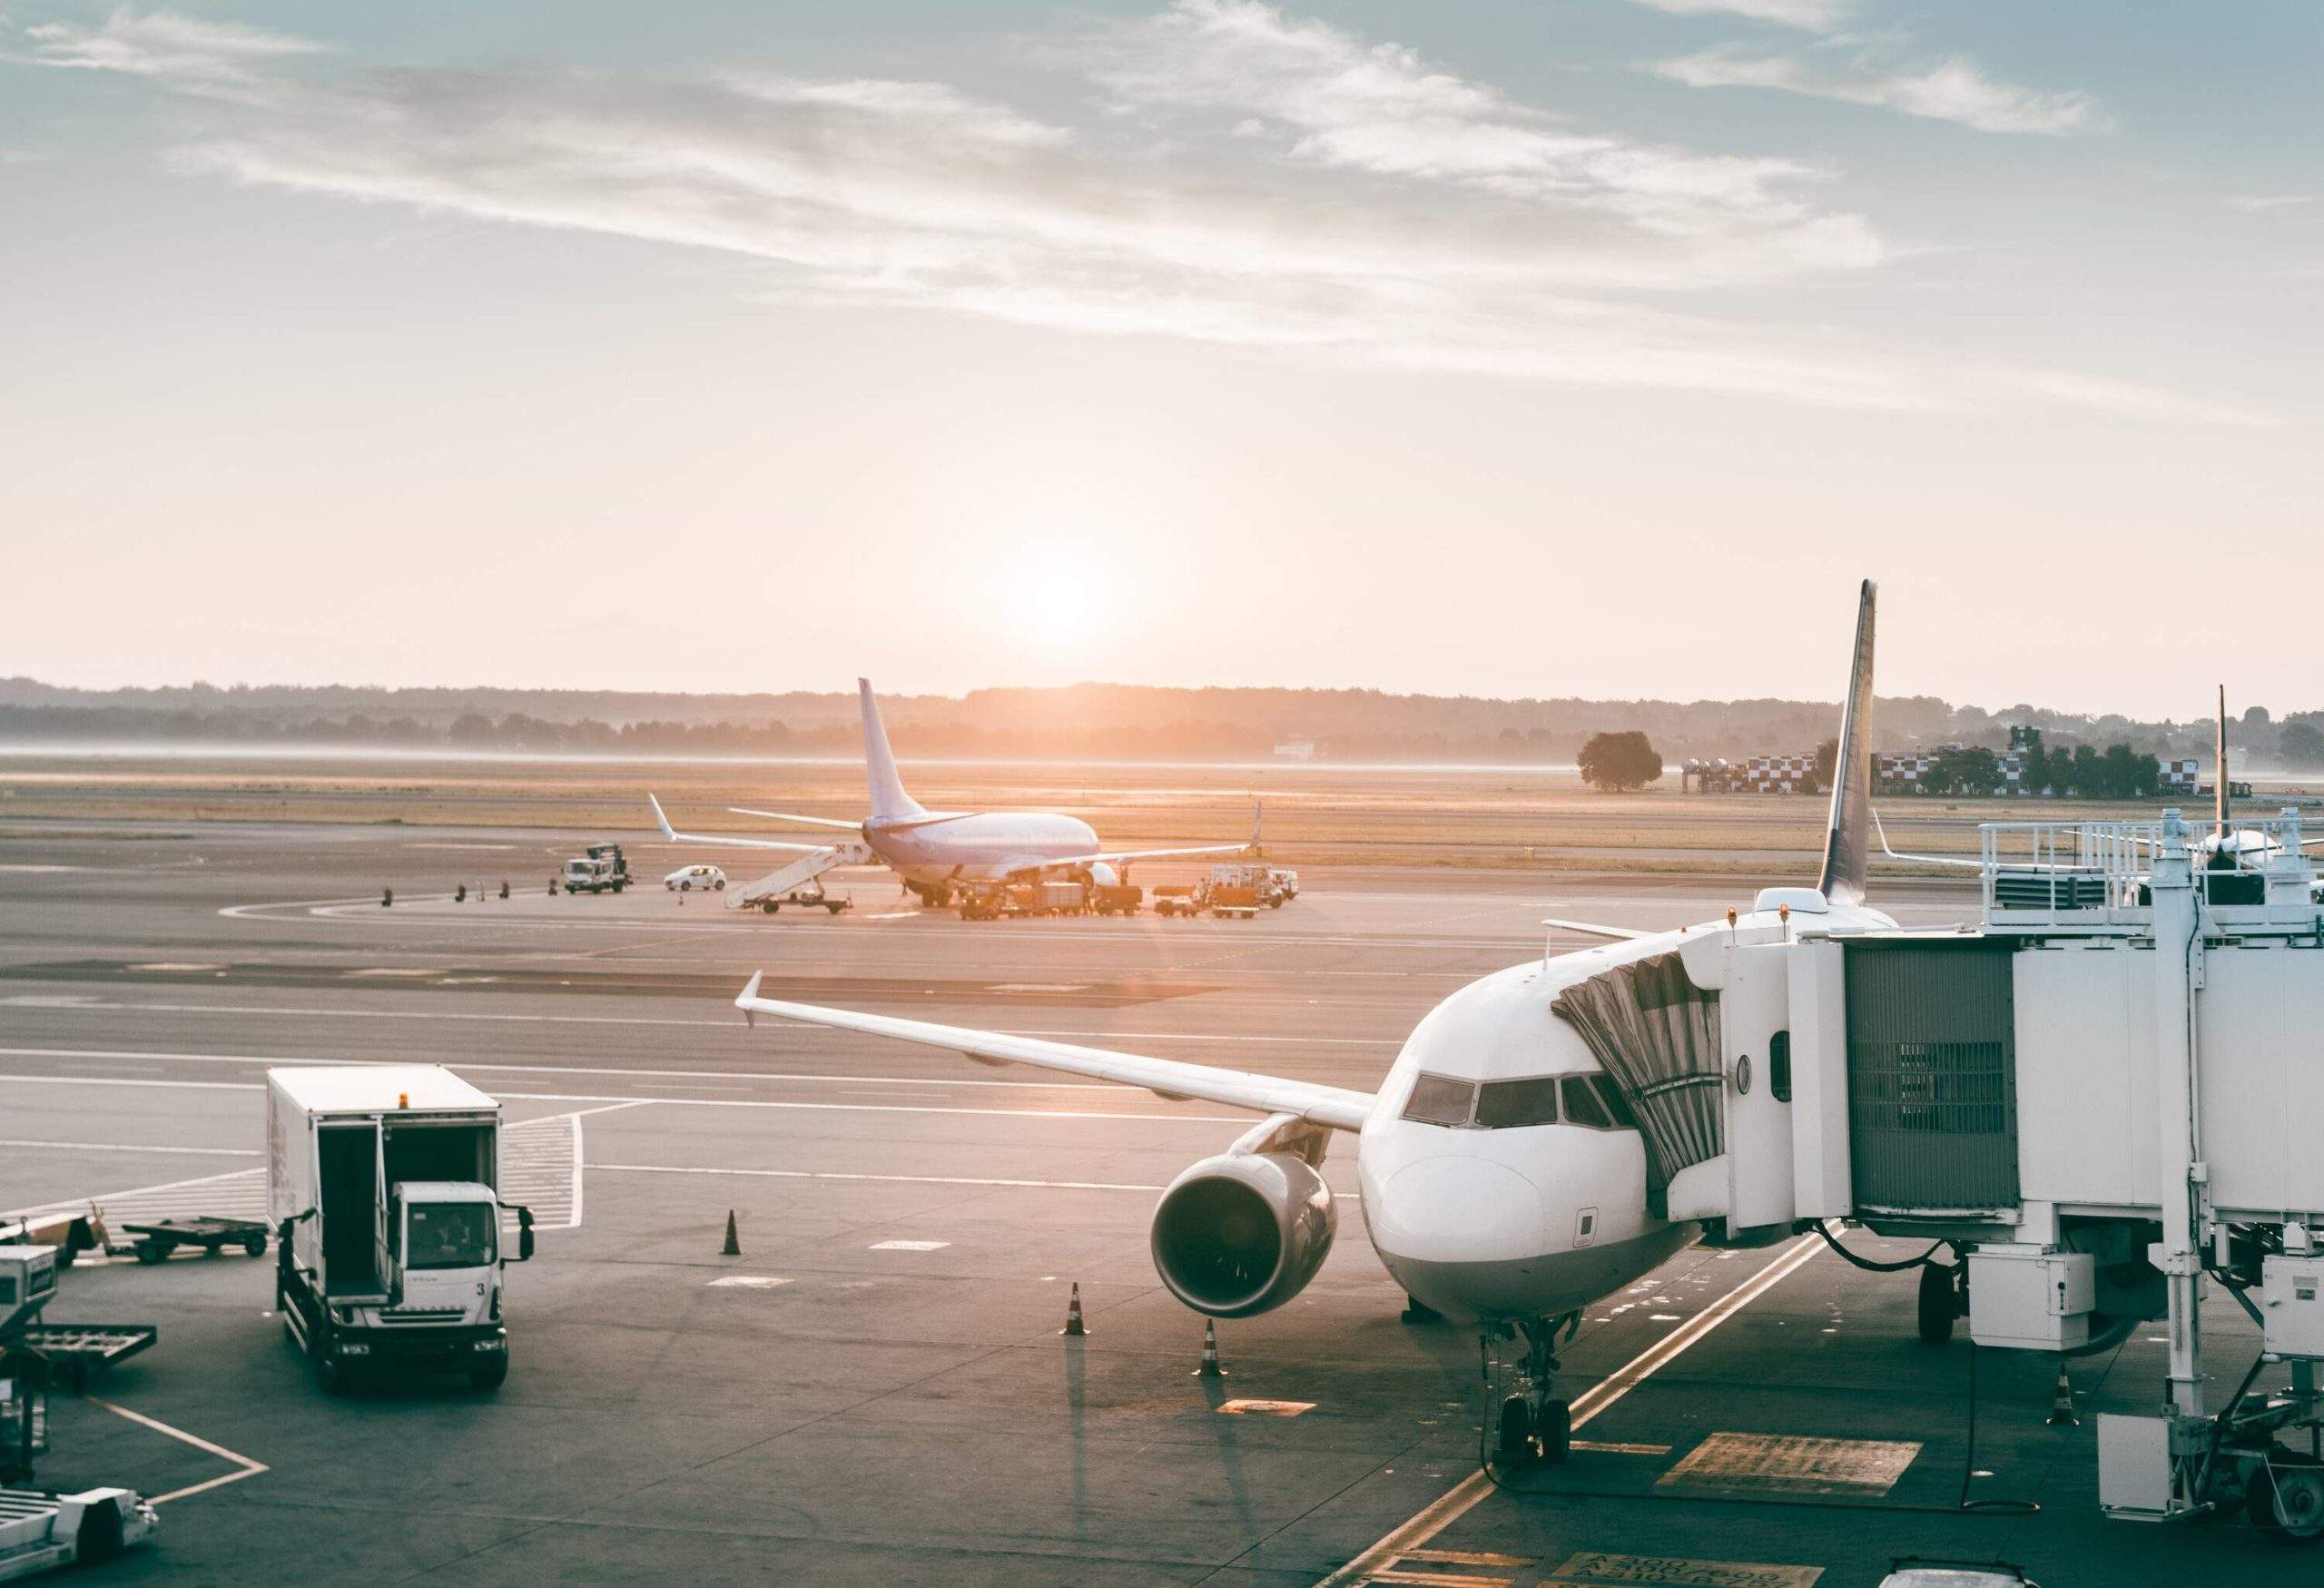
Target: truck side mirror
point(523, 1235)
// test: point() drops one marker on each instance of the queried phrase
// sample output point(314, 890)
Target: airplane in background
point(2231, 858)
point(937, 853)
point(1507, 1177)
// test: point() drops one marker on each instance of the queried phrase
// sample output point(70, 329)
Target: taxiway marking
point(1464, 1496)
point(95, 1006)
point(137, 1146)
point(249, 1468)
point(809, 1174)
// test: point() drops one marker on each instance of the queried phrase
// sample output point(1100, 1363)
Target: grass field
point(1515, 818)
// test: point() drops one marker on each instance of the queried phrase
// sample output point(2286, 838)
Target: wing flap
point(1336, 1107)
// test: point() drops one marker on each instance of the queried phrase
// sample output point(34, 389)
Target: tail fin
point(2219, 788)
point(1846, 845)
point(889, 801)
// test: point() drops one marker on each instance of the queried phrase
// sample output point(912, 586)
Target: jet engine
point(1243, 1233)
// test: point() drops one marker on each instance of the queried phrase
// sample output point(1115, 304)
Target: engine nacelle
point(1243, 1233)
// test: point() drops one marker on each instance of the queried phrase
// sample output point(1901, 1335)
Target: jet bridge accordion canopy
point(1656, 1034)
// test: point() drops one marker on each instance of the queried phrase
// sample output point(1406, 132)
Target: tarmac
point(875, 1390)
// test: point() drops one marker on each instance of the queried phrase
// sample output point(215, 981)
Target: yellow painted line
point(1618, 1447)
point(1465, 1557)
point(1442, 1579)
point(1464, 1497)
point(249, 1469)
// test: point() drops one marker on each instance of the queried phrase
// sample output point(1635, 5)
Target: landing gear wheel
point(1554, 1429)
point(1516, 1429)
point(1937, 1309)
point(2286, 1497)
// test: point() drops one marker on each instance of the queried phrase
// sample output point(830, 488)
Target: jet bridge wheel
point(2286, 1497)
point(1938, 1307)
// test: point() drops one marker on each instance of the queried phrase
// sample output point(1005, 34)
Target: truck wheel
point(485, 1380)
point(332, 1372)
point(771, 907)
point(152, 1251)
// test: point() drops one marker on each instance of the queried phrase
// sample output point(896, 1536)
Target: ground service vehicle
point(380, 1184)
point(39, 1532)
point(601, 869)
point(687, 878)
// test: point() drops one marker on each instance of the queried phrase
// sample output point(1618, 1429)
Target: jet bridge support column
point(2176, 951)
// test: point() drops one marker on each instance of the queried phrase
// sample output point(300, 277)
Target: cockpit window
point(1504, 1104)
point(1438, 1099)
point(1583, 1106)
point(1616, 1103)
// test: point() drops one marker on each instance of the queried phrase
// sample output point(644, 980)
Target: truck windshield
point(452, 1235)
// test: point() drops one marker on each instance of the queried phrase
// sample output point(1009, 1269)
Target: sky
point(1563, 348)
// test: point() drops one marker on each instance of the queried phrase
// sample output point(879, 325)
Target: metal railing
point(2097, 875)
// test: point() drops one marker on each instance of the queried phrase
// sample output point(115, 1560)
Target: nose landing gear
point(1518, 1359)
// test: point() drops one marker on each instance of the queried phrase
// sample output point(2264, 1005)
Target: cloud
point(1381, 210)
point(194, 55)
point(1814, 15)
point(1953, 90)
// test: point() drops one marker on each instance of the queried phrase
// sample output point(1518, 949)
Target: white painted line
point(1463, 1497)
point(808, 1174)
point(96, 1005)
point(233, 1174)
point(909, 1246)
point(557, 1096)
point(1252, 1408)
point(136, 1147)
point(249, 1469)
point(748, 1282)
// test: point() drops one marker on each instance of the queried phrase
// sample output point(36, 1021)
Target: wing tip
point(742, 999)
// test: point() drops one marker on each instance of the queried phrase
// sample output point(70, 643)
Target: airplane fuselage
point(1529, 1220)
point(986, 846)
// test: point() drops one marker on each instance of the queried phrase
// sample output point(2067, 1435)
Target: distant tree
point(2088, 780)
point(2302, 745)
point(2256, 716)
point(1619, 762)
point(1970, 770)
point(1828, 763)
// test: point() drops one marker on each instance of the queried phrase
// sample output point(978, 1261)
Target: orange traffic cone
point(1073, 1329)
point(734, 1247)
point(2061, 1403)
point(1210, 1368)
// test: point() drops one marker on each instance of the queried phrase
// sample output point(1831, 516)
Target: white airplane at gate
point(1505, 1176)
point(936, 853)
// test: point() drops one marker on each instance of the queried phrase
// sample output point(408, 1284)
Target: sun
point(1057, 596)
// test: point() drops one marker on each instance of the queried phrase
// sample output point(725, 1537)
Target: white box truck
point(382, 1187)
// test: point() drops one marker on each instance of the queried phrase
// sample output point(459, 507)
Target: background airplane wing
point(1123, 856)
point(731, 842)
point(1336, 1107)
point(802, 820)
point(1594, 929)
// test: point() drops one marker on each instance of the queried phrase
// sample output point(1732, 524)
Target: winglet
point(1846, 852)
point(743, 998)
point(667, 832)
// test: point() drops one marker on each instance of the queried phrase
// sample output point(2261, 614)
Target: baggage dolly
point(165, 1236)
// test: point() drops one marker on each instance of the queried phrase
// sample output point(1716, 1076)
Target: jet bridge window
point(1438, 1099)
point(1506, 1104)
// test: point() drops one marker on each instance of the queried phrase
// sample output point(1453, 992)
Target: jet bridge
point(2107, 1095)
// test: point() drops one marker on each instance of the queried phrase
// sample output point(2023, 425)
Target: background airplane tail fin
point(889, 801)
point(1847, 843)
point(2219, 781)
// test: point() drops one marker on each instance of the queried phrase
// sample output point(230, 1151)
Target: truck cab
point(591, 874)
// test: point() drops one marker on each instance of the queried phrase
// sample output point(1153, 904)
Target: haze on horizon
point(1588, 349)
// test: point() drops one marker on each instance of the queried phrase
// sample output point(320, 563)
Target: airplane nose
point(1458, 1210)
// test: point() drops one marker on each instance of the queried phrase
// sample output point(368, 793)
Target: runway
point(875, 1391)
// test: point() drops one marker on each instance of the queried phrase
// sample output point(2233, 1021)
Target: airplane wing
point(1123, 856)
point(1592, 929)
point(802, 820)
point(1963, 862)
point(1336, 1107)
point(731, 842)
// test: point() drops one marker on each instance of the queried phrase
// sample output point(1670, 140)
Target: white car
point(687, 878)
